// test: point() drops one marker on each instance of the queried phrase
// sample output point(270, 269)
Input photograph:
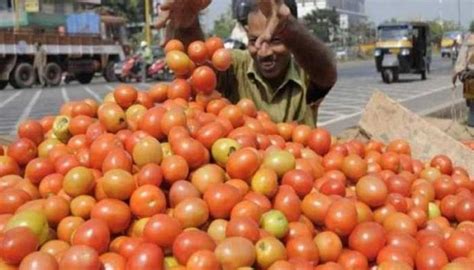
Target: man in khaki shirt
point(286, 70)
point(464, 70)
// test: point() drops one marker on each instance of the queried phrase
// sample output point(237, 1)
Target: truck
point(79, 54)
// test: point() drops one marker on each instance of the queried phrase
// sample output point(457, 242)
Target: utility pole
point(440, 12)
point(459, 13)
point(147, 22)
point(16, 9)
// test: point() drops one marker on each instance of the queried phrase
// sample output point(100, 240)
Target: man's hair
point(242, 8)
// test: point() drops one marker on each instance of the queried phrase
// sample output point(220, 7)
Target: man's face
point(272, 58)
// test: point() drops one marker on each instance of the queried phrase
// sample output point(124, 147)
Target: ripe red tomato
point(222, 59)
point(188, 242)
point(213, 44)
point(304, 249)
point(16, 244)
point(430, 258)
point(372, 191)
point(11, 199)
point(242, 164)
point(192, 212)
point(243, 227)
point(178, 61)
point(8, 166)
point(32, 130)
point(115, 213)
point(319, 140)
point(146, 256)
point(22, 150)
point(147, 201)
point(113, 261)
point(37, 169)
point(80, 257)
point(162, 230)
point(315, 206)
point(367, 238)
point(203, 260)
point(458, 244)
point(287, 201)
point(341, 217)
point(198, 52)
point(125, 95)
point(150, 123)
point(39, 260)
point(329, 246)
point(299, 180)
point(93, 233)
point(174, 45)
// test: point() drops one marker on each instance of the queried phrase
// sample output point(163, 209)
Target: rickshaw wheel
point(387, 76)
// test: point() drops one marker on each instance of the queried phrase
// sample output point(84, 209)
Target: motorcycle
point(159, 71)
point(128, 70)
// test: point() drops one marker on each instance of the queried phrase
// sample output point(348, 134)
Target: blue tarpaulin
point(83, 23)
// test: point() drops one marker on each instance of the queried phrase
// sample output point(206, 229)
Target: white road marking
point(10, 98)
point(95, 95)
point(110, 87)
point(64, 93)
point(26, 113)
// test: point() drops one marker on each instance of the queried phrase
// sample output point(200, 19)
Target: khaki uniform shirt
point(466, 61)
point(289, 102)
point(40, 58)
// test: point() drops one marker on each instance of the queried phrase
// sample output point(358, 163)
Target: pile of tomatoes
point(177, 177)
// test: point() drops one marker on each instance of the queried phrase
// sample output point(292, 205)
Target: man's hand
point(181, 13)
point(276, 12)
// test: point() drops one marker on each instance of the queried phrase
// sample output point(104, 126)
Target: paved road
point(341, 109)
point(358, 80)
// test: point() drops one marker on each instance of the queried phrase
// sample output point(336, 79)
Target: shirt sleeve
point(227, 81)
point(315, 93)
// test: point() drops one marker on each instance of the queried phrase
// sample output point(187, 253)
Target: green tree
point(224, 25)
point(438, 28)
point(471, 27)
point(361, 32)
point(324, 23)
point(129, 9)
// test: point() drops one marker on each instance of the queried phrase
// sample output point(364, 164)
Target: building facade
point(352, 11)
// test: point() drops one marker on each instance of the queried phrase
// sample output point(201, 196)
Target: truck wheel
point(53, 74)
point(109, 72)
point(3, 84)
point(85, 78)
point(23, 76)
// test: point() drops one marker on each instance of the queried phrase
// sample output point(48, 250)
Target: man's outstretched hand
point(184, 13)
point(276, 12)
point(181, 13)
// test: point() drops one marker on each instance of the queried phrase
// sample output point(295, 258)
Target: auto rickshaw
point(450, 43)
point(403, 48)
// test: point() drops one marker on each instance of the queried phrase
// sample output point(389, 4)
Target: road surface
point(358, 80)
point(341, 108)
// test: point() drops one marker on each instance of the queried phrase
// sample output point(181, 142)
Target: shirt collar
point(292, 74)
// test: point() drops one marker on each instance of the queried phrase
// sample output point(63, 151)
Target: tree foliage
point(129, 9)
point(224, 25)
point(324, 23)
point(438, 28)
